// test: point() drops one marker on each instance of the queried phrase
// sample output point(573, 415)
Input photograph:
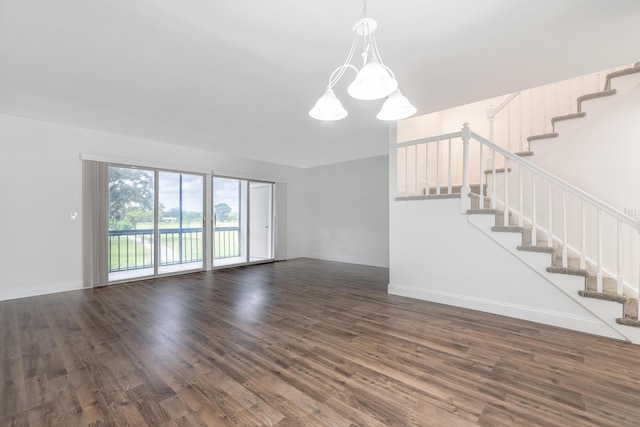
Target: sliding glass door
point(131, 250)
point(155, 222)
point(242, 221)
point(229, 231)
point(180, 221)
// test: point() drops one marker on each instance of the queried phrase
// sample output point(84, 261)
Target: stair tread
point(620, 73)
point(512, 228)
point(541, 249)
point(543, 136)
point(568, 117)
point(629, 322)
point(524, 153)
point(498, 170)
point(594, 95)
point(444, 189)
point(607, 296)
point(483, 211)
point(429, 197)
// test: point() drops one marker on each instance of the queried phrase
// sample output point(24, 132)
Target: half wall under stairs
point(440, 255)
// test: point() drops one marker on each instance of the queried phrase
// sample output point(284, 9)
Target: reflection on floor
point(118, 276)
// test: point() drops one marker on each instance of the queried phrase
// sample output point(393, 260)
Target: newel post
point(465, 198)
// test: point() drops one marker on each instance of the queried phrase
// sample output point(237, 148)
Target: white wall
point(41, 184)
point(437, 255)
point(599, 153)
point(349, 212)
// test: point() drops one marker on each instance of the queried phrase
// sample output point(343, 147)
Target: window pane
point(180, 221)
point(227, 236)
point(131, 220)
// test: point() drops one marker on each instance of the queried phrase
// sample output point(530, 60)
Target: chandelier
point(373, 81)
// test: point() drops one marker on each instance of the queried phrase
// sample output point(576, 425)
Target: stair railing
point(529, 112)
point(599, 236)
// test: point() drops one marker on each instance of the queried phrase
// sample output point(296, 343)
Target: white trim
point(38, 289)
point(372, 262)
point(143, 163)
point(243, 176)
point(579, 323)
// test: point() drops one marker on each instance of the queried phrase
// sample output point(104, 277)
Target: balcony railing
point(133, 249)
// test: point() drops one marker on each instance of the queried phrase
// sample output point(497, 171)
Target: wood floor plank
point(298, 343)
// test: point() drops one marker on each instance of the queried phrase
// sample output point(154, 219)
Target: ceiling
point(239, 76)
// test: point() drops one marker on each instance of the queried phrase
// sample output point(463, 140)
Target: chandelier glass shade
point(328, 107)
point(396, 107)
point(373, 81)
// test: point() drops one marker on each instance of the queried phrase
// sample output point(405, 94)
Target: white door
point(260, 221)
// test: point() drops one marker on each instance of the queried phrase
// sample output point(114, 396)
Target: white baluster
point(509, 127)
point(534, 224)
point(465, 200)
point(599, 244)
point(619, 250)
point(416, 191)
point(449, 190)
point(406, 171)
point(550, 206)
point(583, 244)
point(565, 261)
point(481, 180)
point(427, 190)
point(521, 197)
point(493, 179)
point(438, 167)
point(506, 192)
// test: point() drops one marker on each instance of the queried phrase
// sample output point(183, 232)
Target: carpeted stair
point(609, 285)
point(607, 91)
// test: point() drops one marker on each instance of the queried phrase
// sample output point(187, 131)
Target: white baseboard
point(591, 325)
point(352, 260)
point(35, 290)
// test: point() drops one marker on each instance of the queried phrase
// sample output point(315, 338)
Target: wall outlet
point(632, 211)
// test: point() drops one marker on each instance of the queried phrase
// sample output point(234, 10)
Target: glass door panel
point(260, 221)
point(228, 222)
point(242, 221)
point(131, 223)
point(180, 222)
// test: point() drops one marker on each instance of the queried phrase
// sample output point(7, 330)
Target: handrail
point(151, 231)
point(429, 139)
point(494, 111)
point(617, 214)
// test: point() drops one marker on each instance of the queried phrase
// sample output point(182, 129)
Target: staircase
point(581, 111)
point(584, 247)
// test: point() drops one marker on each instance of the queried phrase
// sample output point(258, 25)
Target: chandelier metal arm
point(373, 81)
point(340, 70)
point(376, 52)
point(333, 79)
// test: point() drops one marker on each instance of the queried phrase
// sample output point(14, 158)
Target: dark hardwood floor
point(298, 343)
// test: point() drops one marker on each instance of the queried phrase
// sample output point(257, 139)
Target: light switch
point(73, 216)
